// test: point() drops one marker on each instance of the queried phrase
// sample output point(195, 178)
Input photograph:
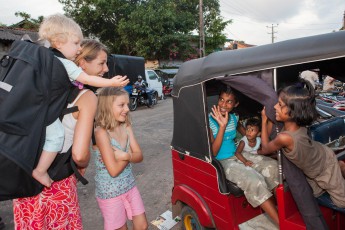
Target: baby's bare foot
point(42, 177)
point(342, 167)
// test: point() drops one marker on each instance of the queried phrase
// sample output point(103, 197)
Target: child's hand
point(119, 81)
point(216, 114)
point(248, 163)
point(121, 155)
point(263, 115)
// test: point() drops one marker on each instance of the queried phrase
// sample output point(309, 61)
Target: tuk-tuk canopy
point(285, 53)
point(236, 67)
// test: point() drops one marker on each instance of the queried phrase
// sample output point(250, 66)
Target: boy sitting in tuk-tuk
point(257, 181)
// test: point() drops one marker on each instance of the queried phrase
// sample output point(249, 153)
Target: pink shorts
point(116, 210)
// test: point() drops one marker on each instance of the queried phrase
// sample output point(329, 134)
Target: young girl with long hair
point(116, 192)
point(296, 108)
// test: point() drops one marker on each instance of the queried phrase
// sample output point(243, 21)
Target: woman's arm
point(114, 167)
point(87, 105)
point(135, 150)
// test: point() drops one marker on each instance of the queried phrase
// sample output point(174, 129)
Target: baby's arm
point(239, 155)
point(96, 81)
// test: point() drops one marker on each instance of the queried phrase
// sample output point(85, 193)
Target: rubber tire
point(155, 99)
point(132, 105)
point(190, 220)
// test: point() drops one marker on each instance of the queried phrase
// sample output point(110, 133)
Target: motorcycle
point(142, 95)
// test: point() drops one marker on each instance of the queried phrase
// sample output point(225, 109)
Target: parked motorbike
point(142, 95)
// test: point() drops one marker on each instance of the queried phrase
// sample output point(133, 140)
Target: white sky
point(295, 18)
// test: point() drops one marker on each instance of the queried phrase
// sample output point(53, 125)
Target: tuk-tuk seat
point(325, 200)
point(225, 186)
point(327, 131)
point(333, 111)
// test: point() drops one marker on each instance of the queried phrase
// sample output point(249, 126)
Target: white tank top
point(69, 123)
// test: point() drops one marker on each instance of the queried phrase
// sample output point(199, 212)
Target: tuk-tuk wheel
point(190, 220)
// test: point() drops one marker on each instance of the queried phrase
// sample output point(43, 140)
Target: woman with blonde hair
point(57, 207)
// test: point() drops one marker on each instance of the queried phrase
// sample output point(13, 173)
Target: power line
point(201, 30)
point(272, 31)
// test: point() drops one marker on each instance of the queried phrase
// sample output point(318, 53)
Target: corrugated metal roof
point(13, 34)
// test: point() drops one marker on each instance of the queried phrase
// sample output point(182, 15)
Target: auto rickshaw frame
point(201, 194)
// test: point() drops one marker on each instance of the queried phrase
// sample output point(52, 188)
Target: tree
point(27, 22)
point(214, 25)
point(23, 15)
point(154, 29)
point(100, 18)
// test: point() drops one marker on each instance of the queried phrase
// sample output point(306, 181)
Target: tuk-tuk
point(201, 194)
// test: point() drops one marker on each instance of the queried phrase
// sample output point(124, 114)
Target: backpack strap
point(64, 164)
point(93, 138)
point(77, 173)
point(64, 167)
point(69, 110)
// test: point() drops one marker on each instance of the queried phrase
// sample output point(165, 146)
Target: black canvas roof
point(241, 69)
point(285, 53)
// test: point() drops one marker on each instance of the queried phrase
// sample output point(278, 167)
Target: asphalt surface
point(153, 129)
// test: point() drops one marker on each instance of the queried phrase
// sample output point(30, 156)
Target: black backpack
point(34, 92)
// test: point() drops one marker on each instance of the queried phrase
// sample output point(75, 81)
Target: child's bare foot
point(342, 167)
point(42, 177)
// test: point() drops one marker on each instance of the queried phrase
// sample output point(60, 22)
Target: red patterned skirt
point(56, 207)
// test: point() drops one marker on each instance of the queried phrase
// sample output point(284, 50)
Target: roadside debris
point(165, 221)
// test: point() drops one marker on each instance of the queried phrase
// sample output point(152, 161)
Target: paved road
point(153, 129)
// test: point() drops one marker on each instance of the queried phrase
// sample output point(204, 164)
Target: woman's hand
point(119, 81)
point(221, 120)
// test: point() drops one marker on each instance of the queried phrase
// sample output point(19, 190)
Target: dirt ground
point(153, 129)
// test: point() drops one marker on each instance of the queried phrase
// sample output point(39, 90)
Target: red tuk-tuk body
point(196, 184)
point(201, 195)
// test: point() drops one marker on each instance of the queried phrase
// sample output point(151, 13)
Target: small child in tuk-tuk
point(250, 143)
point(296, 108)
point(258, 181)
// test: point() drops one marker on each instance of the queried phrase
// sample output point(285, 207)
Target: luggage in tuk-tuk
point(201, 194)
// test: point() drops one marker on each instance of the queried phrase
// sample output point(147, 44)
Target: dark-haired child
point(250, 143)
point(296, 109)
point(253, 181)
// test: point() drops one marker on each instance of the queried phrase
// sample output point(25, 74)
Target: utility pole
point(273, 32)
point(201, 31)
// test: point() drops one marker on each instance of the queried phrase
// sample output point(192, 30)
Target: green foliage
point(27, 22)
point(155, 29)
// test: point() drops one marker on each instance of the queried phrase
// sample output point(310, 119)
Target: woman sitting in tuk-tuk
point(257, 181)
